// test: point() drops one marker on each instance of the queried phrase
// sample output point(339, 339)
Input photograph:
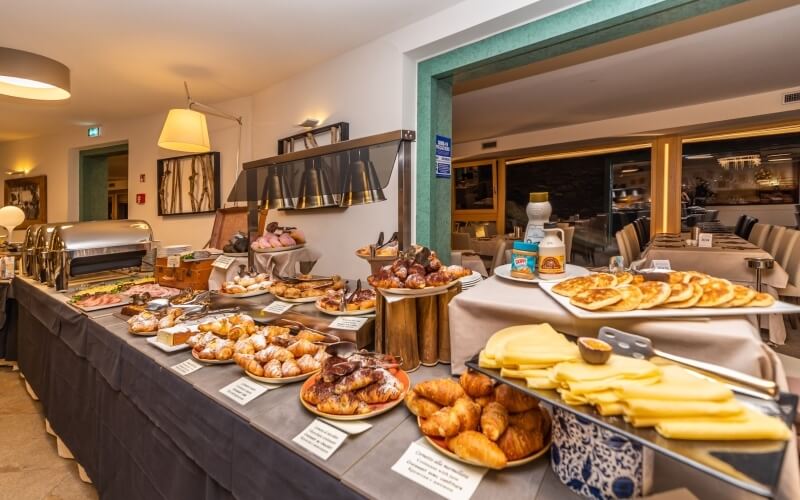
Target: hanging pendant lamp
point(31, 76)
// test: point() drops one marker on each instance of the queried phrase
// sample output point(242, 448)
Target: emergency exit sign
point(93, 131)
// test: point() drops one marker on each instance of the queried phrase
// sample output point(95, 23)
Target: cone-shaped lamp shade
point(361, 184)
point(315, 189)
point(31, 76)
point(185, 130)
point(279, 196)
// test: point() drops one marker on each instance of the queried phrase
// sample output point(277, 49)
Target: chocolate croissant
point(494, 420)
point(438, 278)
point(340, 404)
point(514, 400)
point(357, 380)
point(475, 447)
point(475, 384)
point(443, 423)
point(420, 406)
point(443, 391)
point(317, 392)
point(518, 443)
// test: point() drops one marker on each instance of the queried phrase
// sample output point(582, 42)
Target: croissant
point(224, 352)
point(339, 404)
point(255, 368)
point(317, 392)
point(387, 390)
point(416, 268)
point(518, 443)
point(438, 278)
point(443, 423)
point(207, 353)
point(273, 369)
point(307, 363)
point(302, 347)
point(358, 379)
point(514, 400)
point(494, 420)
point(531, 420)
point(237, 331)
point(415, 281)
point(265, 355)
point(289, 368)
point(279, 353)
point(259, 342)
point(468, 413)
point(420, 406)
point(485, 400)
point(475, 447)
point(443, 391)
point(476, 385)
point(273, 331)
point(242, 359)
point(244, 346)
point(310, 336)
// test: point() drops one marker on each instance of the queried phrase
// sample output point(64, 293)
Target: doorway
point(103, 183)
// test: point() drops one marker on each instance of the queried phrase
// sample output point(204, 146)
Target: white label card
point(320, 439)
point(223, 261)
point(348, 323)
point(705, 240)
point(438, 473)
point(174, 261)
point(661, 265)
point(187, 367)
point(244, 390)
point(278, 307)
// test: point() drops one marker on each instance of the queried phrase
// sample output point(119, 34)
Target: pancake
point(742, 295)
point(631, 298)
point(680, 292)
point(761, 300)
point(697, 292)
point(654, 293)
point(604, 280)
point(596, 298)
point(623, 278)
point(572, 286)
point(716, 292)
point(675, 277)
point(695, 277)
point(637, 278)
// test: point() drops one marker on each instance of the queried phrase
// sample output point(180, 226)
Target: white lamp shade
point(11, 216)
point(30, 76)
point(185, 130)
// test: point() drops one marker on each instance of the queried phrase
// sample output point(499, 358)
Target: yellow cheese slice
point(653, 421)
point(540, 383)
point(757, 426)
point(617, 366)
point(485, 362)
point(609, 409)
point(530, 333)
point(609, 383)
point(660, 408)
point(512, 373)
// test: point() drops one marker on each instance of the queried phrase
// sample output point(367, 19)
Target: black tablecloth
point(8, 323)
point(140, 430)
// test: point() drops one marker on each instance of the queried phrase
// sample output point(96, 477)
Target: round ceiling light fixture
point(31, 76)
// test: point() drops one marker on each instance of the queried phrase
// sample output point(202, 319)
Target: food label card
point(174, 261)
point(278, 307)
point(661, 265)
point(437, 473)
point(320, 439)
point(187, 367)
point(244, 390)
point(705, 240)
point(223, 261)
point(348, 323)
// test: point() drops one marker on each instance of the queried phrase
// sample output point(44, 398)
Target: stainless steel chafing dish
point(90, 247)
point(37, 238)
point(28, 257)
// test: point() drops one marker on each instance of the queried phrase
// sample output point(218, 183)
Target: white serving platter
point(570, 271)
point(253, 293)
point(279, 249)
point(153, 341)
point(693, 312)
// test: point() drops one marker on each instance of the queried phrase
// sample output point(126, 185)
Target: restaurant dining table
point(731, 341)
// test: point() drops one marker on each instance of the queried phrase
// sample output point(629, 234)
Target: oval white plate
point(279, 249)
point(572, 271)
point(357, 312)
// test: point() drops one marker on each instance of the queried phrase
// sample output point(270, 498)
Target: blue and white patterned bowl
point(597, 463)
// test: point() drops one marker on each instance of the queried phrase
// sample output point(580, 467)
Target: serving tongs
point(345, 349)
point(636, 346)
point(373, 249)
point(346, 299)
point(295, 280)
point(296, 327)
point(156, 305)
point(205, 310)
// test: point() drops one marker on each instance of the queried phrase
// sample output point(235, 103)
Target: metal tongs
point(346, 299)
point(205, 310)
point(156, 305)
point(296, 327)
point(636, 346)
point(373, 249)
point(345, 349)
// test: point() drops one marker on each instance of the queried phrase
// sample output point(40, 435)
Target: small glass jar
point(524, 258)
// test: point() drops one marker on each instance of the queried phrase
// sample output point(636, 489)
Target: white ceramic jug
point(552, 254)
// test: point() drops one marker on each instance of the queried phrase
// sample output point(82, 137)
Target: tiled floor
point(30, 468)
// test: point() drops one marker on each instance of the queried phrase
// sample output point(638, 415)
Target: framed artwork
point(189, 184)
point(30, 195)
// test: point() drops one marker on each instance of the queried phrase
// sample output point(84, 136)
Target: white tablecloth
point(734, 341)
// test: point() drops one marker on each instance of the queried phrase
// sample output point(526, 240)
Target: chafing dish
point(27, 249)
point(90, 247)
point(35, 254)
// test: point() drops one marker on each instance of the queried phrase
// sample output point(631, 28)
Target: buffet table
point(282, 263)
point(8, 323)
point(477, 313)
point(141, 430)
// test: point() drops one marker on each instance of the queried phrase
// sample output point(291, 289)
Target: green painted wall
point(93, 188)
point(585, 25)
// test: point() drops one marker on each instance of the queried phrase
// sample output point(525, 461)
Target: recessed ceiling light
point(698, 157)
point(31, 76)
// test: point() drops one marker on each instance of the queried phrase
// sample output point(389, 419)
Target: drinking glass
point(616, 264)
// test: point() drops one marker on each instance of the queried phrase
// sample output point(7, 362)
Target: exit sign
point(93, 131)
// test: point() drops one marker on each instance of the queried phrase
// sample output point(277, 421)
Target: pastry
point(494, 420)
point(443, 391)
point(388, 390)
point(415, 281)
point(654, 293)
point(476, 384)
point(514, 400)
point(761, 300)
point(604, 280)
point(517, 443)
point(443, 423)
point(357, 380)
point(255, 368)
point(301, 347)
point(468, 413)
point(342, 404)
point(680, 292)
point(742, 295)
point(596, 298)
point(623, 278)
point(716, 292)
point(631, 298)
point(420, 406)
point(695, 277)
point(314, 393)
point(272, 369)
point(485, 400)
point(531, 420)
point(674, 277)
point(289, 368)
point(697, 292)
point(307, 363)
point(573, 286)
point(475, 447)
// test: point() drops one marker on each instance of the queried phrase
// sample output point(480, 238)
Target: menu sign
point(224, 261)
point(348, 323)
point(187, 367)
point(244, 390)
point(705, 240)
point(278, 307)
point(437, 473)
point(320, 439)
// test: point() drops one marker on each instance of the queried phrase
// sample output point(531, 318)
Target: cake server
point(636, 346)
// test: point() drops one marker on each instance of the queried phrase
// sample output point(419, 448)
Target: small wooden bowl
point(594, 351)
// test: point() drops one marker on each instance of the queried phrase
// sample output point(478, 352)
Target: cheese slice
point(591, 386)
point(610, 409)
point(660, 408)
point(541, 383)
point(617, 366)
point(531, 333)
point(756, 426)
point(653, 421)
point(485, 362)
point(513, 373)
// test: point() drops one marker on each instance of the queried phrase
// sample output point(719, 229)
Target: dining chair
point(633, 242)
point(748, 226)
point(569, 234)
point(791, 292)
point(622, 243)
point(738, 229)
point(460, 241)
point(787, 247)
point(758, 236)
point(500, 253)
point(774, 240)
point(637, 227)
